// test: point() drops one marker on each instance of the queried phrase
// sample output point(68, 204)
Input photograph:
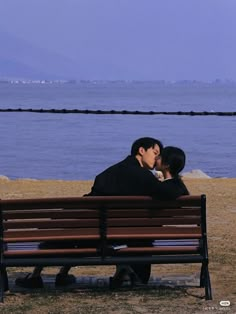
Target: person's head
point(171, 161)
point(145, 150)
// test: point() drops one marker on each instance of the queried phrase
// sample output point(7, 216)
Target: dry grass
point(221, 199)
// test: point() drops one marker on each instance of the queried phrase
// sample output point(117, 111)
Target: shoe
point(5, 280)
point(119, 278)
point(29, 282)
point(6, 285)
point(63, 280)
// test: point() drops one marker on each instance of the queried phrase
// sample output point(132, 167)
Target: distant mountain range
point(21, 59)
point(15, 69)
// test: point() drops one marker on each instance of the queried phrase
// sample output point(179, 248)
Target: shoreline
point(193, 174)
point(214, 188)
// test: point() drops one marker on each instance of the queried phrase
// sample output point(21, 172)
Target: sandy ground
point(221, 219)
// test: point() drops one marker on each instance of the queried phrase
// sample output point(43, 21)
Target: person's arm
point(150, 185)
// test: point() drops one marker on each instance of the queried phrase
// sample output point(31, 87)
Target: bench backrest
point(103, 220)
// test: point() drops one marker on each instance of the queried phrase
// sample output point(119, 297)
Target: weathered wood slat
point(53, 237)
point(50, 223)
point(93, 251)
point(51, 252)
point(84, 223)
point(175, 230)
point(50, 213)
point(155, 212)
point(96, 202)
point(122, 222)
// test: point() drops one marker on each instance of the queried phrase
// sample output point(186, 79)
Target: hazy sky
point(131, 39)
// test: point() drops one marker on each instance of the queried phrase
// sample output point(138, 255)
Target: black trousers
point(143, 271)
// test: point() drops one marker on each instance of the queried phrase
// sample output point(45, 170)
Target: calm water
point(77, 146)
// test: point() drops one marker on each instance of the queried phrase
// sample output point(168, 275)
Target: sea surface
point(79, 146)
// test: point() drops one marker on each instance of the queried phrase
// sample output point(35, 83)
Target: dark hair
point(174, 157)
point(145, 142)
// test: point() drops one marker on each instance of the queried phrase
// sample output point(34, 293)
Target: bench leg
point(3, 282)
point(202, 277)
point(208, 293)
point(205, 281)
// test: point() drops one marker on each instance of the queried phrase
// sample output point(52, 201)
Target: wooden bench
point(81, 231)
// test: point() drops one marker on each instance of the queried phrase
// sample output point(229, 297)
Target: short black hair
point(175, 158)
point(145, 142)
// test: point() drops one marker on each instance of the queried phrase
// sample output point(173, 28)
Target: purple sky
point(131, 39)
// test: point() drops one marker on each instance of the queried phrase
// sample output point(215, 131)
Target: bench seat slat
point(175, 230)
point(154, 212)
point(51, 238)
point(99, 202)
point(153, 235)
point(152, 221)
point(50, 213)
point(9, 234)
point(77, 251)
point(159, 250)
point(50, 223)
point(93, 251)
point(88, 213)
point(82, 223)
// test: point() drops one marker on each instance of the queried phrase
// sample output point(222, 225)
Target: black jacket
point(129, 178)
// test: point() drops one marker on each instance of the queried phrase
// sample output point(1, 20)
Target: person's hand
point(159, 175)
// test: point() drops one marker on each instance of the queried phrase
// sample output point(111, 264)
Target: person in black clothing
point(132, 176)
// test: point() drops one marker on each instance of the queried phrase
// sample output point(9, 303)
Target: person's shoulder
point(179, 182)
point(173, 182)
point(112, 167)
